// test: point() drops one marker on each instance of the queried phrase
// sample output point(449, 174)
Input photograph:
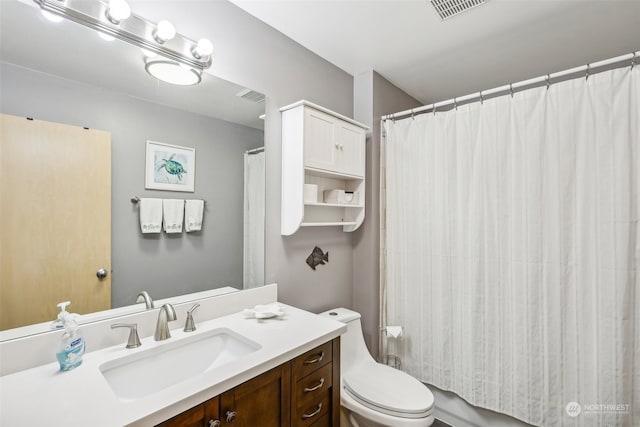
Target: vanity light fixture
point(181, 56)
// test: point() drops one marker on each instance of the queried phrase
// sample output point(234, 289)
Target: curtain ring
point(434, 109)
point(633, 60)
point(413, 115)
point(548, 80)
point(586, 75)
point(511, 89)
point(481, 98)
point(455, 103)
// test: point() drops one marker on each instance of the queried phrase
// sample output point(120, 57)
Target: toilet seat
point(387, 390)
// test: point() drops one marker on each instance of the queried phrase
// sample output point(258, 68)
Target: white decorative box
point(341, 197)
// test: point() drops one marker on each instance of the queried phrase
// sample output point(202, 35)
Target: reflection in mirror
point(64, 73)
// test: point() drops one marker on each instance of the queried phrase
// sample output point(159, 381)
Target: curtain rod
point(255, 150)
point(510, 87)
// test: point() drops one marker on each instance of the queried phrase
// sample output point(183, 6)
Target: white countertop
point(82, 397)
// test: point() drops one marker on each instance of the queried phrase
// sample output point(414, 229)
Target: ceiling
point(500, 42)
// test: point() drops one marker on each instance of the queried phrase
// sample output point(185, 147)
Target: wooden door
point(55, 220)
point(264, 401)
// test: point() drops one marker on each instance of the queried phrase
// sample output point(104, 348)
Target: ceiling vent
point(449, 8)
point(251, 95)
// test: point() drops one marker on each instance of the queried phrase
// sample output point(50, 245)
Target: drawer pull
point(314, 388)
point(314, 413)
point(231, 416)
point(316, 359)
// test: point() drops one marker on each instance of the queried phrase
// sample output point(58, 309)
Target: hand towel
point(193, 215)
point(150, 215)
point(173, 213)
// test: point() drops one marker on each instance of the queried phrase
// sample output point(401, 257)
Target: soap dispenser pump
point(72, 346)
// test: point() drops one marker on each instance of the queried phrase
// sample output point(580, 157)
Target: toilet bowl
point(373, 394)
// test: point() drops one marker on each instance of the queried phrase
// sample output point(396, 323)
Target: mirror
point(66, 73)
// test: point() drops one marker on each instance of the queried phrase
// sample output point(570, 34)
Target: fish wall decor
point(317, 257)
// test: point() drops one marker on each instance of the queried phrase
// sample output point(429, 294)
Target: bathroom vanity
point(300, 392)
point(281, 371)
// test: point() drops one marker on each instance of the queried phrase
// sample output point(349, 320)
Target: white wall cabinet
point(327, 149)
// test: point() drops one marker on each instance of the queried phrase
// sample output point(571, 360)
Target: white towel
point(193, 215)
point(173, 210)
point(150, 215)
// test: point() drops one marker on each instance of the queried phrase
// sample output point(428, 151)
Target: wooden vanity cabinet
point(303, 392)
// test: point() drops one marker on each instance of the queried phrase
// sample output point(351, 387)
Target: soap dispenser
point(72, 346)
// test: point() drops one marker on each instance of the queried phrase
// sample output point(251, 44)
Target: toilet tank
point(353, 349)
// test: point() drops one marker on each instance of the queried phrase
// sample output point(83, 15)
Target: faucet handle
point(134, 339)
point(190, 325)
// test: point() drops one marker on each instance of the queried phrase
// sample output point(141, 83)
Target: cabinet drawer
point(314, 385)
point(313, 411)
point(325, 421)
point(312, 360)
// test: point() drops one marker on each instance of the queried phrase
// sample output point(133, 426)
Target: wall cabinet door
point(332, 144)
point(351, 149)
point(320, 145)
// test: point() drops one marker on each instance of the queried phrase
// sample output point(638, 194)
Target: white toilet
point(373, 394)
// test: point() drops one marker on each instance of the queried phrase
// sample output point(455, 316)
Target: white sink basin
point(149, 371)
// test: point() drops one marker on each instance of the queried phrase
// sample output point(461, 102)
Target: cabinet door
point(320, 145)
point(193, 417)
point(203, 415)
point(351, 149)
point(263, 401)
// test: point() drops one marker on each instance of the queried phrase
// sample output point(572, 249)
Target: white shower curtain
point(253, 263)
point(513, 250)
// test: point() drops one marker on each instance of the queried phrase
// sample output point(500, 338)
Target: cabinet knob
point(215, 423)
point(231, 416)
point(337, 146)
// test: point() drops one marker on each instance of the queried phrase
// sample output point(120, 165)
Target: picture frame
point(170, 167)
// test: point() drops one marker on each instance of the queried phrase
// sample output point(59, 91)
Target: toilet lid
point(388, 390)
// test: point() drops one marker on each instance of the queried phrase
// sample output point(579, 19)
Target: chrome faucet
point(144, 296)
point(166, 314)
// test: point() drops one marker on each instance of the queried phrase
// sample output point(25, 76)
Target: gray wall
point(164, 265)
point(375, 97)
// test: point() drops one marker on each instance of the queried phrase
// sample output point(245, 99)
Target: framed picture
point(170, 167)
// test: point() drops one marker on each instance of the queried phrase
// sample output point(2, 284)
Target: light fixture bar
point(135, 30)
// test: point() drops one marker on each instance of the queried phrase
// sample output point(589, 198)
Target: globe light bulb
point(203, 48)
point(165, 31)
point(118, 11)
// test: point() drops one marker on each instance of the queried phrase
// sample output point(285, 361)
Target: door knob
point(102, 273)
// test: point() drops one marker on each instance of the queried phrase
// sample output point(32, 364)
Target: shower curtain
point(253, 262)
point(511, 250)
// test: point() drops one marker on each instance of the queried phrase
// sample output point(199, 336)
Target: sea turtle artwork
point(317, 257)
point(173, 167)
